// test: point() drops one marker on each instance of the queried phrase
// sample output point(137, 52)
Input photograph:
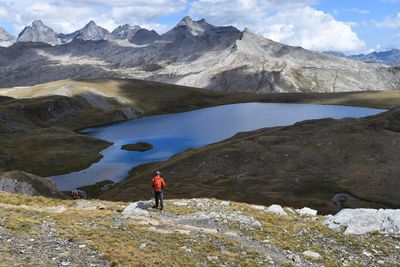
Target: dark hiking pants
point(159, 198)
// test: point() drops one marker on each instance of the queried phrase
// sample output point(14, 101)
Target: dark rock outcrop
point(143, 36)
point(28, 184)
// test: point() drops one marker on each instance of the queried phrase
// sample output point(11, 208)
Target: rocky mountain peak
point(91, 24)
point(90, 32)
point(38, 23)
point(5, 37)
point(247, 31)
point(248, 36)
point(125, 31)
point(390, 57)
point(38, 32)
point(186, 20)
point(94, 32)
point(195, 28)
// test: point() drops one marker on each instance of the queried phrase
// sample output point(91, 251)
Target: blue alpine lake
point(174, 133)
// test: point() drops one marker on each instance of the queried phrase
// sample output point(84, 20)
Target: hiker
point(158, 185)
point(75, 194)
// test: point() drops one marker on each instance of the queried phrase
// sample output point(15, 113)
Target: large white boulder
point(307, 211)
point(362, 221)
point(277, 209)
point(138, 208)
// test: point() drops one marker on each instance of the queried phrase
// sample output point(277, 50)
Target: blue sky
point(368, 14)
point(350, 26)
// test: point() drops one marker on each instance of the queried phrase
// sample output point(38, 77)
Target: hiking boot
point(154, 207)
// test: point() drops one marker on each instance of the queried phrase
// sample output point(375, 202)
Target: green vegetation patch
point(140, 146)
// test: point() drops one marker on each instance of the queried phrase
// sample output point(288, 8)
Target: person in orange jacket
point(158, 185)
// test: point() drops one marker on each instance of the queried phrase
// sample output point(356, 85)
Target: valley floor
point(45, 115)
point(195, 232)
point(38, 135)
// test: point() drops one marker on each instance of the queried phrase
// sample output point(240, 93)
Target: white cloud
point(121, 3)
point(159, 28)
point(241, 12)
point(62, 18)
point(69, 15)
point(312, 29)
point(146, 11)
point(5, 12)
point(283, 21)
point(392, 22)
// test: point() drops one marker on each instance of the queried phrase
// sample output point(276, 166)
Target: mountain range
point(193, 53)
point(391, 57)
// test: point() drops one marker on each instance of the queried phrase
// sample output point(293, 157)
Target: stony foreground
point(36, 231)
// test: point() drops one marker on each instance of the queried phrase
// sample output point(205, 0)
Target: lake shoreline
point(196, 129)
point(365, 99)
point(66, 149)
point(305, 164)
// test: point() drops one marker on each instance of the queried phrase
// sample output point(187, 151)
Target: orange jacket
point(158, 183)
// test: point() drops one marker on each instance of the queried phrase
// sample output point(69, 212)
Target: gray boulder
point(138, 208)
point(363, 221)
point(28, 184)
point(307, 211)
point(277, 209)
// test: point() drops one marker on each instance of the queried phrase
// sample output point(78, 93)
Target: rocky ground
point(46, 248)
point(192, 232)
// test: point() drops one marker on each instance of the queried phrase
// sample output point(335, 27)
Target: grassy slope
point(301, 165)
point(59, 151)
point(166, 243)
point(37, 130)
